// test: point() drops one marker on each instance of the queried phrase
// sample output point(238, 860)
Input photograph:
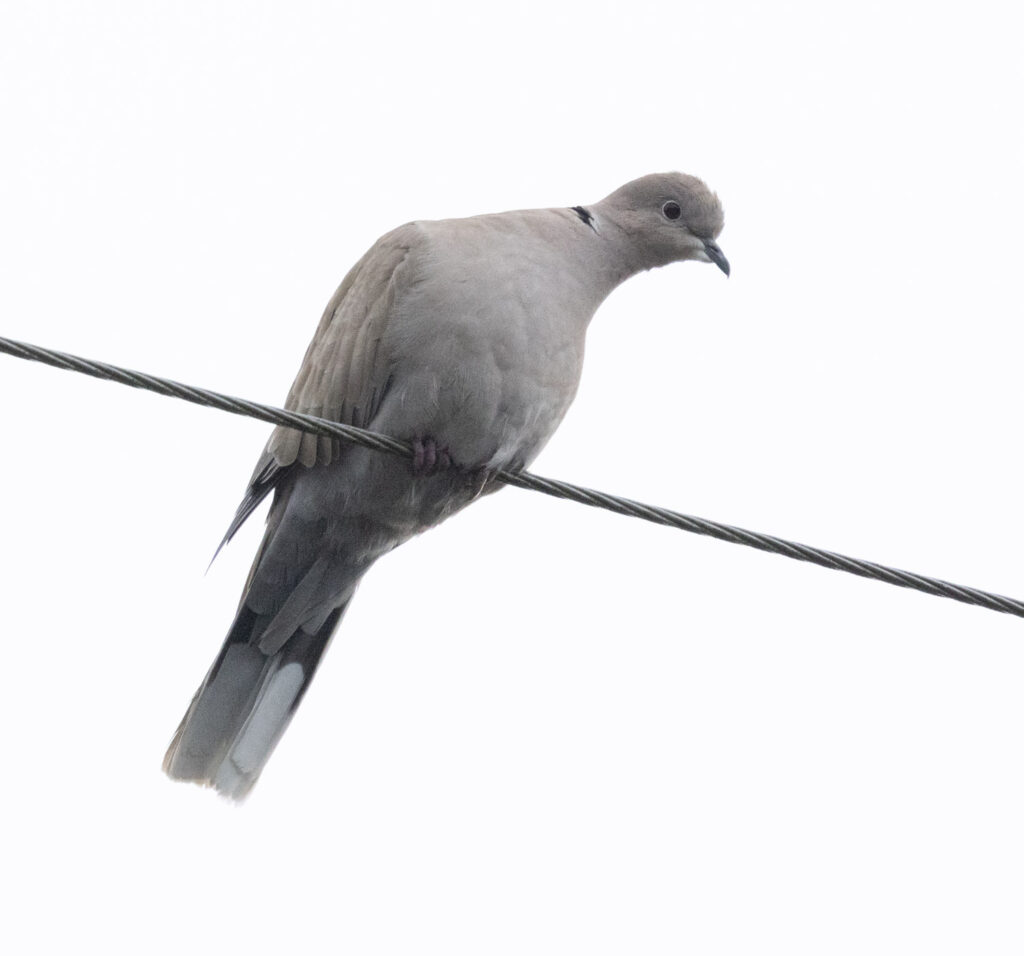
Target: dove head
point(667, 217)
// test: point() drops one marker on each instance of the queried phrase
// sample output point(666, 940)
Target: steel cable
point(521, 479)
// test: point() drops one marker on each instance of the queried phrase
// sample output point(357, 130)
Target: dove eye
point(671, 210)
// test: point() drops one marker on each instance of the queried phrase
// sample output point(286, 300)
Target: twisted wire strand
point(521, 479)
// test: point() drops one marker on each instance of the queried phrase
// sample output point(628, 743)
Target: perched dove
point(463, 337)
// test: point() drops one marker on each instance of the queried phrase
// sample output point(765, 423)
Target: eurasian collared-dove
point(463, 337)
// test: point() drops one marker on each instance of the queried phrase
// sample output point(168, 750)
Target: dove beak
point(716, 255)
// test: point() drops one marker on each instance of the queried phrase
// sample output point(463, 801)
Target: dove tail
point(244, 705)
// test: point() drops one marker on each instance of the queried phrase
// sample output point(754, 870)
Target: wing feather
point(345, 372)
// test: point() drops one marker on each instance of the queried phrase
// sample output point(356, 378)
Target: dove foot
point(427, 458)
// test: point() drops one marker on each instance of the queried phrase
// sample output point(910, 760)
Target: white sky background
point(541, 729)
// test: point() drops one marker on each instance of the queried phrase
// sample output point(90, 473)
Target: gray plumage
point(463, 336)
